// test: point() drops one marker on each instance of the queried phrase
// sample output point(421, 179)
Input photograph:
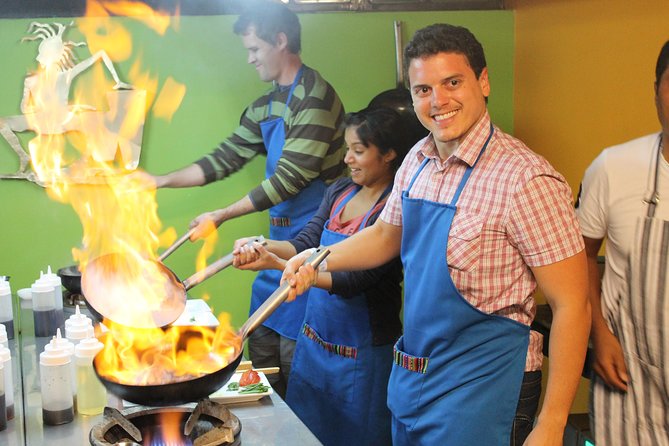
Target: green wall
point(354, 51)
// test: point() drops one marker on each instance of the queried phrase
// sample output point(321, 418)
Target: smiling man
point(297, 125)
point(479, 221)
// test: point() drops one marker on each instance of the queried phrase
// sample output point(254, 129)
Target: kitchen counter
point(266, 421)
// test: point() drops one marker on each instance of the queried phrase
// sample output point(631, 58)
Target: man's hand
point(205, 224)
point(301, 277)
point(609, 361)
point(545, 433)
point(144, 178)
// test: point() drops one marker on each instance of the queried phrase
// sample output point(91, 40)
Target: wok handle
point(278, 297)
point(217, 266)
point(176, 245)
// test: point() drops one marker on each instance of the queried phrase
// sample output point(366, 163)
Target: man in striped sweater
point(297, 126)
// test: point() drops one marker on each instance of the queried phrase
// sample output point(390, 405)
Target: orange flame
point(118, 210)
point(180, 353)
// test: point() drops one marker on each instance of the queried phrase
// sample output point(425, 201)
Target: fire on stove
point(206, 424)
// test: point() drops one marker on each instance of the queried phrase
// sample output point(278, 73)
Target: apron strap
point(470, 169)
point(464, 179)
point(383, 197)
point(654, 198)
point(290, 93)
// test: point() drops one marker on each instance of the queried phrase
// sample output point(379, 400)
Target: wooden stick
point(247, 365)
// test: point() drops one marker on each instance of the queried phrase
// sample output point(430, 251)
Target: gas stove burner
point(71, 299)
point(206, 424)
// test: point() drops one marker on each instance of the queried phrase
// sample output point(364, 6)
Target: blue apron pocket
point(325, 365)
point(405, 385)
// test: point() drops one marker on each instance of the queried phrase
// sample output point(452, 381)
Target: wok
point(182, 392)
point(105, 295)
point(71, 278)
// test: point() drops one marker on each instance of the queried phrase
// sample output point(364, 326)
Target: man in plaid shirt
point(480, 221)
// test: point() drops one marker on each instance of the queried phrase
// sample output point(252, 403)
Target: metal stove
point(206, 424)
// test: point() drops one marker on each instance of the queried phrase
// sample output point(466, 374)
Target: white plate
point(223, 395)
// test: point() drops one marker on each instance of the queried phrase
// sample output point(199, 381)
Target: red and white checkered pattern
point(515, 212)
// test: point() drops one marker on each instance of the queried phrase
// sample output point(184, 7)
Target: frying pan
point(70, 276)
point(106, 296)
point(399, 98)
point(182, 392)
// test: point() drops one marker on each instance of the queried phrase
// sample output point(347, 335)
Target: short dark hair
point(269, 19)
point(662, 63)
point(445, 38)
point(384, 128)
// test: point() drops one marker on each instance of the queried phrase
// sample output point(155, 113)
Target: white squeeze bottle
point(78, 327)
point(3, 413)
point(4, 342)
point(91, 394)
point(56, 387)
point(6, 312)
point(60, 343)
point(6, 377)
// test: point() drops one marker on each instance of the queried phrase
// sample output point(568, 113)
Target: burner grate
point(206, 424)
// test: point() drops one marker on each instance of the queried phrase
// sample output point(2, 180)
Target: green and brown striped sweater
point(314, 145)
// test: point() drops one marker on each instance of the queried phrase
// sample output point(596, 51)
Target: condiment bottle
point(6, 313)
point(6, 361)
point(56, 387)
point(45, 313)
point(78, 327)
point(3, 412)
point(4, 342)
point(56, 281)
point(60, 343)
point(91, 394)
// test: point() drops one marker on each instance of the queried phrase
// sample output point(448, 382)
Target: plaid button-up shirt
point(514, 213)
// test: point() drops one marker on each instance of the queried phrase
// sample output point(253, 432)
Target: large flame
point(180, 353)
point(117, 208)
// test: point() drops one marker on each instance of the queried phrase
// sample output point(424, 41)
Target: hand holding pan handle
point(278, 296)
point(218, 265)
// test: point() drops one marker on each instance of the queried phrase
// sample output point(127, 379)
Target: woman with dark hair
point(343, 355)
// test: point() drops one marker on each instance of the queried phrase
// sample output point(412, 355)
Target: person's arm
point(609, 361)
point(205, 223)
point(565, 286)
point(380, 243)
point(189, 176)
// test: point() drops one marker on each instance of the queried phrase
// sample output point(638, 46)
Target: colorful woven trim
point(411, 363)
point(283, 222)
point(341, 350)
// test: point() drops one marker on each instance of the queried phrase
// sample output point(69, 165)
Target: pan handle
point(278, 296)
point(176, 245)
point(217, 266)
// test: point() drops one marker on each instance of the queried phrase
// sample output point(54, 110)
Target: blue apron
point(457, 371)
point(286, 220)
point(338, 380)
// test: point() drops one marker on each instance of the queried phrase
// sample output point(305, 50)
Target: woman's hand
point(255, 257)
